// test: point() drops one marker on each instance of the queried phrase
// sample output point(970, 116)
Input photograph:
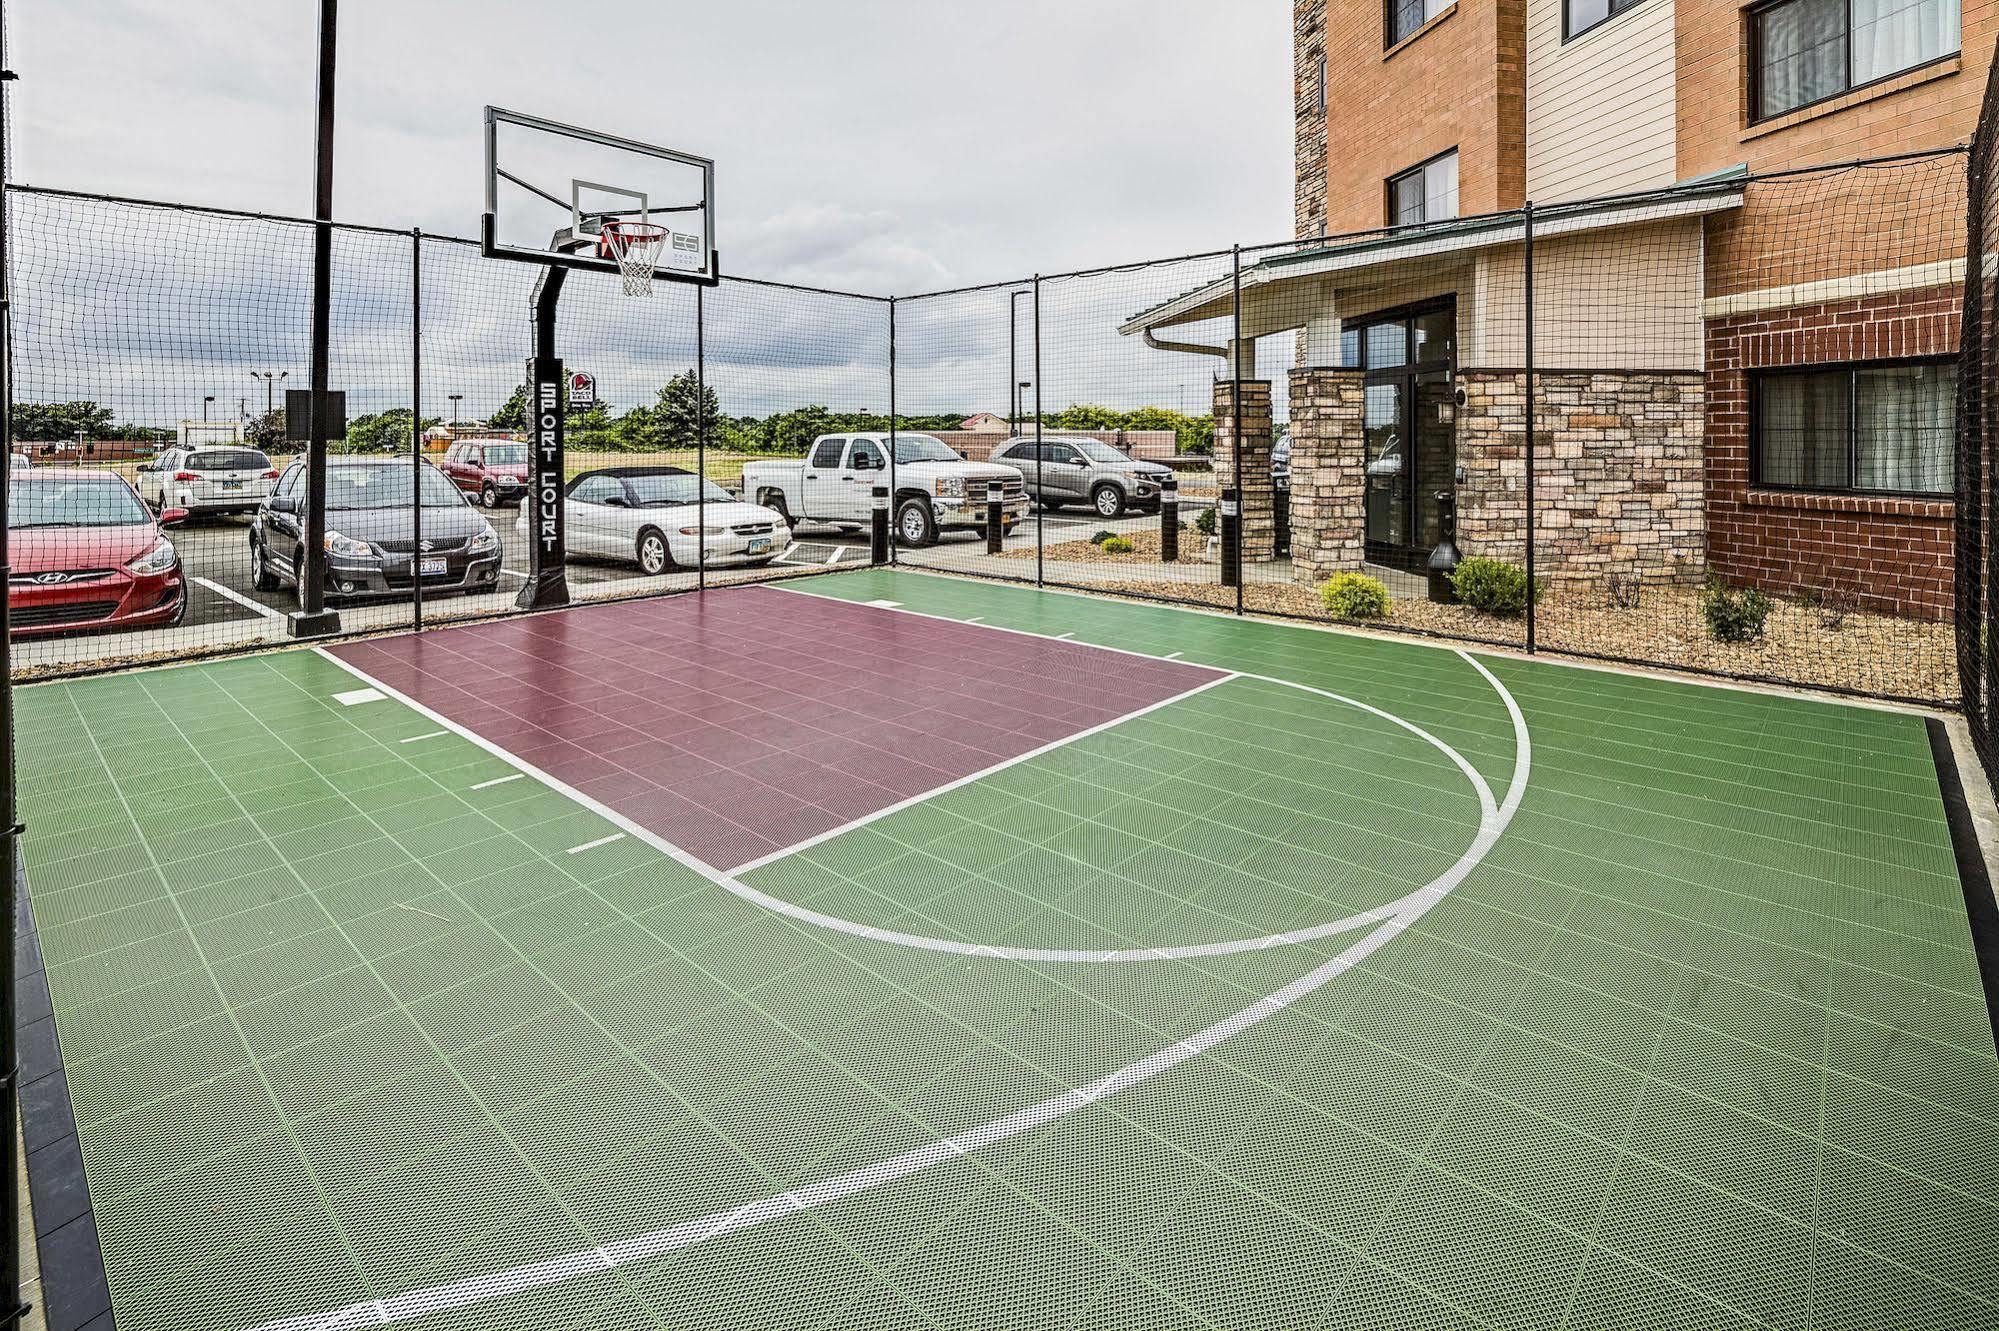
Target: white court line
point(501, 780)
point(1171, 656)
point(592, 845)
point(355, 697)
point(979, 775)
point(1064, 637)
point(973, 620)
point(1393, 920)
point(889, 605)
point(238, 598)
point(428, 734)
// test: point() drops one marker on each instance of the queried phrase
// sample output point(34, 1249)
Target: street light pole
point(270, 378)
point(454, 412)
point(204, 407)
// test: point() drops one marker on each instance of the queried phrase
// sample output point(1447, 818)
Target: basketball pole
point(313, 618)
point(548, 577)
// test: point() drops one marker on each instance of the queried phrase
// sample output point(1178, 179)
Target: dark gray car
point(372, 547)
point(1079, 470)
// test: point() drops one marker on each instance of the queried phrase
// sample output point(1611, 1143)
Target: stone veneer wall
point(1618, 483)
point(1328, 473)
point(1259, 511)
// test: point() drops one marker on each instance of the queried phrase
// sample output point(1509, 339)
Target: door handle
point(811, 476)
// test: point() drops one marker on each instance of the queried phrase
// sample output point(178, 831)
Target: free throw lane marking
point(1390, 923)
point(428, 734)
point(500, 780)
point(238, 598)
point(592, 845)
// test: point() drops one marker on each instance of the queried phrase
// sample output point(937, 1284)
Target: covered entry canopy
point(1290, 290)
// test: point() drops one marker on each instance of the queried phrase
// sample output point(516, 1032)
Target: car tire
point(261, 576)
point(655, 556)
point(916, 523)
point(1108, 500)
point(180, 611)
point(489, 495)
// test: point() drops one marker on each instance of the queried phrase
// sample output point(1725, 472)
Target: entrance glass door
point(1410, 429)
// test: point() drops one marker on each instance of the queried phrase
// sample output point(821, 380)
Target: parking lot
point(225, 609)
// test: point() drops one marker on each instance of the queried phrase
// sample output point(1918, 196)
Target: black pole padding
point(995, 519)
point(1444, 560)
point(313, 617)
point(878, 527)
point(548, 549)
point(1230, 513)
point(1169, 520)
point(1281, 514)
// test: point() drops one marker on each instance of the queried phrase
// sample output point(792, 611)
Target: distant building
point(985, 420)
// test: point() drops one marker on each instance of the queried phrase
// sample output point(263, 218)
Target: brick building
point(1742, 366)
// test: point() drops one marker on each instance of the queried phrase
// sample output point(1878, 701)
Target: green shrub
point(1493, 586)
point(1103, 536)
point(1205, 523)
point(1353, 596)
point(1734, 615)
point(1116, 545)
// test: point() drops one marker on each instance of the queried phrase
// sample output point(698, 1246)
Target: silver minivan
point(1080, 470)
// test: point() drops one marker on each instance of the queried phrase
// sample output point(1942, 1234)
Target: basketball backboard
point(551, 188)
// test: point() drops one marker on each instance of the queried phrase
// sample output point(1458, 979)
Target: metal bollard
point(1169, 520)
point(878, 530)
point(995, 521)
point(1230, 530)
point(1444, 560)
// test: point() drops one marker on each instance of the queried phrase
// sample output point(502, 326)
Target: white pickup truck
point(933, 489)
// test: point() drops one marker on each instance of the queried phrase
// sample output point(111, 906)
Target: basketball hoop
point(636, 246)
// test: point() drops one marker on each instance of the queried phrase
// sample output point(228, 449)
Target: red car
point(493, 471)
point(88, 554)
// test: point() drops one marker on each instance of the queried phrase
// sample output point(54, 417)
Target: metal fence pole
point(416, 429)
point(892, 422)
point(700, 437)
point(1968, 475)
point(1040, 509)
point(1235, 414)
point(1527, 376)
point(313, 616)
point(12, 1309)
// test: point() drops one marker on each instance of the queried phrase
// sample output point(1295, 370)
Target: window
point(1405, 16)
point(1064, 454)
point(1809, 50)
point(596, 489)
point(1579, 16)
point(826, 453)
point(1319, 83)
point(1425, 193)
point(1886, 429)
point(868, 457)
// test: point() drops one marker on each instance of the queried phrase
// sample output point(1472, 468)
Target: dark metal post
point(1527, 374)
point(1040, 509)
point(881, 504)
point(995, 506)
point(1444, 560)
point(416, 429)
point(1230, 531)
point(10, 828)
point(1280, 514)
point(548, 578)
point(701, 437)
point(878, 546)
point(1169, 520)
point(313, 617)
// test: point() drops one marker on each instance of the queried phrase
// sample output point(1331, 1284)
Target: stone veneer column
point(1259, 513)
point(1328, 473)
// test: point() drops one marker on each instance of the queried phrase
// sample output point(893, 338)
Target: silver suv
point(1080, 470)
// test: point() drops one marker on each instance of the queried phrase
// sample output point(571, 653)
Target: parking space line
point(237, 597)
point(592, 845)
point(500, 780)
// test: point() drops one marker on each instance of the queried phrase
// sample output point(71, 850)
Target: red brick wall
point(1894, 554)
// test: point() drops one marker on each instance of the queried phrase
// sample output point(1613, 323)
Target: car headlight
point(159, 559)
point(951, 487)
point(336, 544)
point(704, 531)
point(487, 540)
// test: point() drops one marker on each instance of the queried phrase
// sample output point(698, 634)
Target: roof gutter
point(1192, 348)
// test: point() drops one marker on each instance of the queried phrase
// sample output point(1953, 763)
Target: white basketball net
point(637, 247)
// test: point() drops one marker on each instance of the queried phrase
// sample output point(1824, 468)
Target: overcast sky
point(885, 145)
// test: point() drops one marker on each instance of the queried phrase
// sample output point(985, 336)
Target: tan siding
point(1620, 300)
point(1600, 108)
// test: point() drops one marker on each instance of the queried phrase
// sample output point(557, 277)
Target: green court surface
point(1334, 995)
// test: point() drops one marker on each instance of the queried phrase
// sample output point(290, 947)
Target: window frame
point(1571, 33)
point(1753, 15)
point(1852, 369)
point(1388, 189)
point(1389, 41)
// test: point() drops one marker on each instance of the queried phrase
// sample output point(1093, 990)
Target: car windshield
point(1099, 451)
point(506, 455)
point(228, 459)
point(667, 488)
point(71, 501)
point(922, 448)
point(386, 485)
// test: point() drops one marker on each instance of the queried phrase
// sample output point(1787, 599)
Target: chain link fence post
point(1527, 384)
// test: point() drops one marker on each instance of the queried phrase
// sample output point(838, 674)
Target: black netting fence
point(1744, 395)
point(1976, 560)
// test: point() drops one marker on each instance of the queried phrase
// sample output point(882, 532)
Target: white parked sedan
point(222, 478)
point(650, 516)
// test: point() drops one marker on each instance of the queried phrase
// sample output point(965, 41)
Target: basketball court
point(881, 949)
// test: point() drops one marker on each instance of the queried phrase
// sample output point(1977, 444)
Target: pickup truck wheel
point(1108, 500)
point(915, 524)
point(774, 501)
point(261, 576)
point(655, 557)
point(489, 495)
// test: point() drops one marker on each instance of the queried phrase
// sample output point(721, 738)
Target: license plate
point(760, 545)
point(431, 566)
point(232, 485)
